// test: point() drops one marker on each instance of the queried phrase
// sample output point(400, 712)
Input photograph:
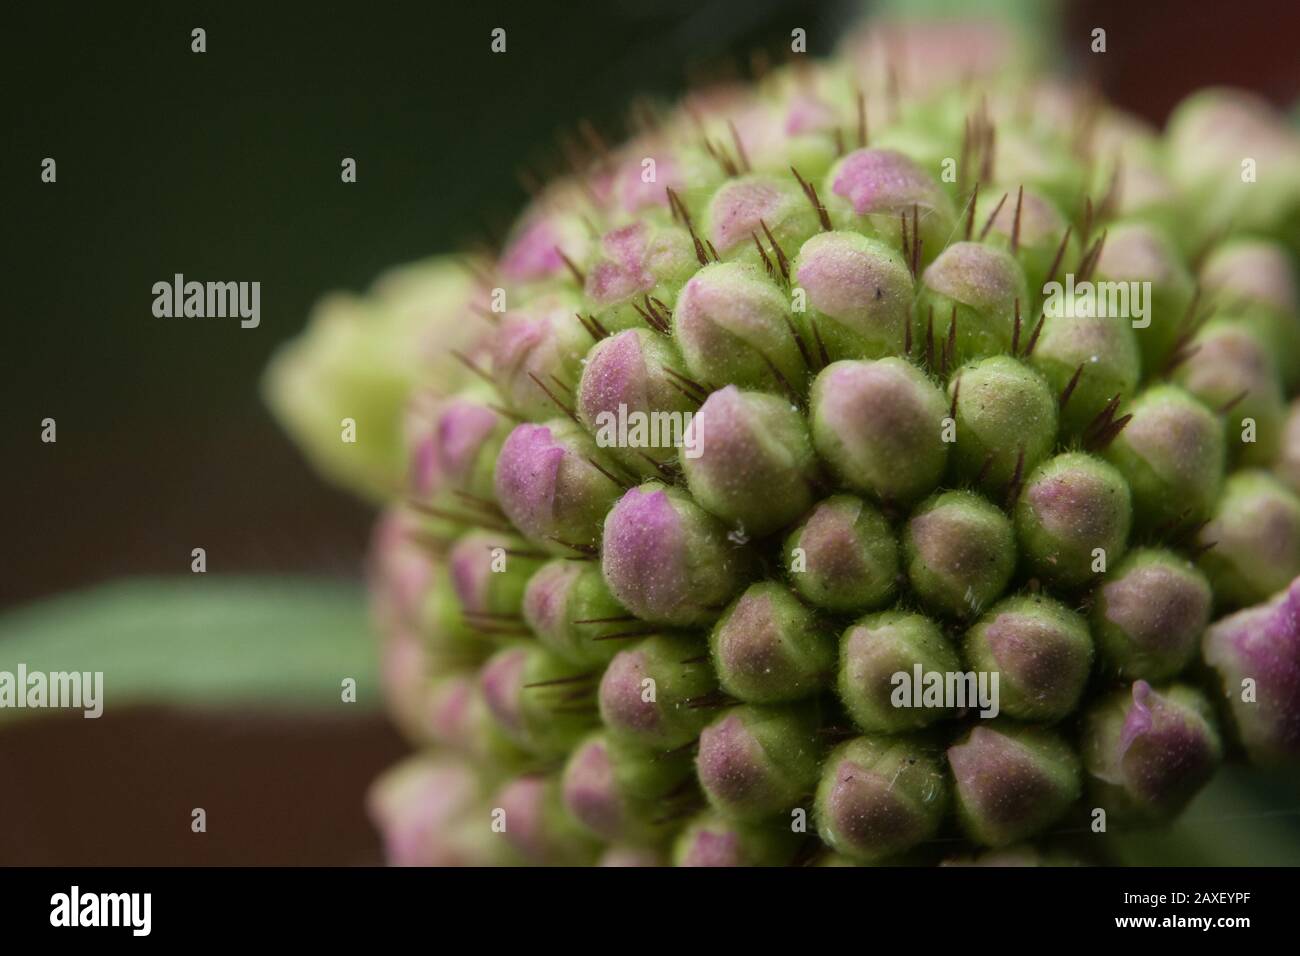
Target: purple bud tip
point(502, 681)
point(462, 429)
point(623, 271)
point(643, 553)
point(590, 790)
point(740, 208)
point(880, 181)
point(1256, 653)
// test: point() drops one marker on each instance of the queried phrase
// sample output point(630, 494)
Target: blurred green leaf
point(210, 641)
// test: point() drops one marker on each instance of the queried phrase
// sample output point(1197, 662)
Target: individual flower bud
point(1026, 854)
point(733, 325)
point(1149, 615)
point(1209, 135)
point(457, 454)
point(1148, 752)
point(1287, 467)
point(1044, 164)
point(968, 297)
point(880, 796)
point(1086, 359)
point(489, 571)
point(423, 810)
point(537, 355)
point(1133, 255)
point(768, 648)
point(711, 839)
point(884, 660)
point(596, 791)
point(757, 761)
point(535, 823)
point(552, 231)
point(656, 693)
point(555, 485)
point(959, 552)
point(1011, 781)
point(1255, 655)
point(741, 208)
point(878, 424)
point(540, 701)
point(1172, 455)
point(843, 556)
point(874, 191)
point(1032, 233)
point(1250, 549)
point(666, 560)
point(568, 606)
point(631, 856)
point(631, 394)
point(749, 461)
point(1041, 652)
point(639, 263)
point(1072, 519)
point(1254, 281)
point(859, 296)
point(1001, 409)
point(1229, 370)
point(682, 169)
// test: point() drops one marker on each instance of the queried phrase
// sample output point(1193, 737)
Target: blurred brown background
point(225, 166)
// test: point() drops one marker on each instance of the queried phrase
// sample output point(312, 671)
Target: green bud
point(880, 796)
point(539, 700)
point(960, 553)
point(1073, 518)
point(1012, 782)
point(740, 209)
point(653, 693)
point(749, 461)
point(1041, 652)
point(1251, 546)
point(1253, 279)
point(637, 263)
point(734, 325)
point(768, 647)
point(536, 824)
point(977, 287)
point(874, 652)
point(489, 571)
point(538, 349)
point(759, 761)
point(878, 424)
point(1002, 408)
point(614, 791)
point(1098, 354)
point(1033, 235)
point(1171, 453)
point(1149, 614)
point(843, 556)
point(711, 839)
point(568, 606)
point(859, 296)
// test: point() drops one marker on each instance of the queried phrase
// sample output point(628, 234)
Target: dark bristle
point(956, 393)
point(584, 549)
point(1015, 330)
point(1015, 224)
point(810, 191)
point(798, 340)
point(626, 635)
point(569, 264)
point(1233, 402)
point(554, 399)
point(690, 383)
point(1017, 479)
point(988, 223)
point(821, 346)
point(767, 262)
point(1033, 339)
point(740, 147)
point(1070, 387)
point(862, 120)
point(950, 344)
point(469, 363)
point(560, 681)
point(608, 474)
point(907, 337)
point(1060, 254)
point(916, 241)
point(929, 339)
point(782, 262)
point(970, 212)
point(984, 469)
point(614, 619)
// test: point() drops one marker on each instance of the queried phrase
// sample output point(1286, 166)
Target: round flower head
point(959, 552)
point(555, 485)
point(880, 796)
point(633, 398)
point(877, 191)
point(883, 657)
point(1171, 453)
point(759, 761)
point(878, 424)
point(1149, 614)
point(748, 460)
point(969, 297)
point(1072, 519)
point(733, 324)
point(1255, 654)
point(1232, 372)
point(1148, 752)
point(1002, 410)
point(843, 556)
point(768, 648)
point(1250, 549)
point(653, 693)
point(1011, 782)
point(858, 296)
point(666, 560)
point(1041, 652)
